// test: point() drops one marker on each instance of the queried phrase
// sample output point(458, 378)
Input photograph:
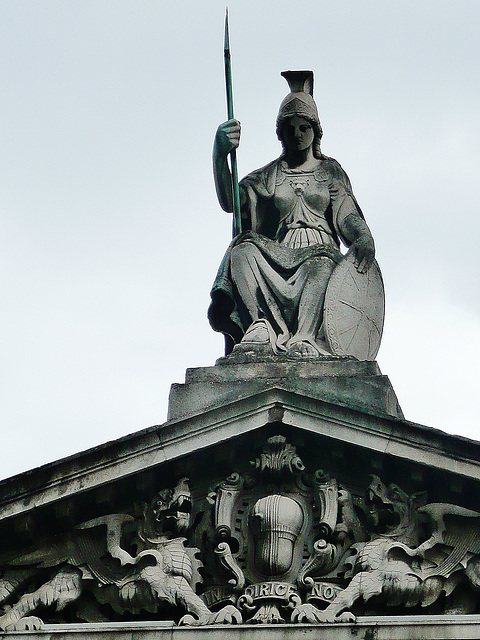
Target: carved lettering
point(323, 591)
point(217, 595)
point(270, 590)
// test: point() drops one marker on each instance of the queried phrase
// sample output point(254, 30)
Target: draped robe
point(277, 270)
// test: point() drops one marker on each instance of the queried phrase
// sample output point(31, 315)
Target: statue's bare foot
point(302, 349)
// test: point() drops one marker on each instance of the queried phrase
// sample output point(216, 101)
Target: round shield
point(354, 310)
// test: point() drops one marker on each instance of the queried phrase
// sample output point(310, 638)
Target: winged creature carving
point(394, 568)
point(163, 570)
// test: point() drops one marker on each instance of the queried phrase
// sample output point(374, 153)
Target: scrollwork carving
point(327, 499)
point(393, 566)
point(228, 494)
point(228, 562)
point(276, 549)
point(323, 559)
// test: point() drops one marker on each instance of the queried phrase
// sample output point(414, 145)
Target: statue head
point(299, 102)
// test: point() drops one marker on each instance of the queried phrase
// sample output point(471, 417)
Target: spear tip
point(226, 46)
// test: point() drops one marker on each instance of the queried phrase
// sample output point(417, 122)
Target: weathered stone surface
point(150, 448)
point(162, 569)
point(254, 533)
point(279, 484)
point(354, 311)
point(153, 447)
point(275, 536)
point(277, 522)
point(365, 628)
point(342, 381)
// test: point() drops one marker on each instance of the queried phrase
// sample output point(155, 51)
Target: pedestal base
point(344, 381)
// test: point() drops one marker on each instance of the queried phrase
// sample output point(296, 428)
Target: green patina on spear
point(237, 221)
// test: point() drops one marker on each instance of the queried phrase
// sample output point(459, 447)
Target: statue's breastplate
point(302, 199)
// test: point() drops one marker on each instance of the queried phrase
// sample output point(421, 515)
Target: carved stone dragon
point(393, 567)
point(92, 558)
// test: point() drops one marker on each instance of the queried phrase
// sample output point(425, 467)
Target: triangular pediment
point(151, 449)
point(281, 459)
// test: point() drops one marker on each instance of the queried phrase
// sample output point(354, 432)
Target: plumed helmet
point(300, 102)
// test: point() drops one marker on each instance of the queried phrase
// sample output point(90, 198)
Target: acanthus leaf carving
point(343, 546)
point(278, 456)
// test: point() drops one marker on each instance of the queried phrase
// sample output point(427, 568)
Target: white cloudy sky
point(111, 233)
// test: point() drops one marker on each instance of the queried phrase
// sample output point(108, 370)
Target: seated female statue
point(270, 288)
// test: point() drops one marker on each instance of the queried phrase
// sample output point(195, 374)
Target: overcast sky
point(111, 232)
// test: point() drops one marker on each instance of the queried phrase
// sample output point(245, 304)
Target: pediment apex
point(174, 440)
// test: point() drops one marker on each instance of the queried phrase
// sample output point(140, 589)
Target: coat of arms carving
point(274, 543)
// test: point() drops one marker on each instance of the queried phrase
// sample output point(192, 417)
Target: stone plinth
point(343, 381)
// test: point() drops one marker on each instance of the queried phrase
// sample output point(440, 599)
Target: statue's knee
point(240, 250)
point(242, 254)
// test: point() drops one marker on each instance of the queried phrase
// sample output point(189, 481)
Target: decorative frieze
point(276, 542)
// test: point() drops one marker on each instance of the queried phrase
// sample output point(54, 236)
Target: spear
point(237, 221)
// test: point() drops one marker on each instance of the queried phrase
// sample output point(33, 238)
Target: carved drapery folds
point(275, 543)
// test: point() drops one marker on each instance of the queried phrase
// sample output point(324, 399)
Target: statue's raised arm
point(271, 295)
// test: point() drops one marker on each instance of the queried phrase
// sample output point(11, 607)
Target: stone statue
point(270, 289)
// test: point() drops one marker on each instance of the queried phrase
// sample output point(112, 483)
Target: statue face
point(298, 134)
